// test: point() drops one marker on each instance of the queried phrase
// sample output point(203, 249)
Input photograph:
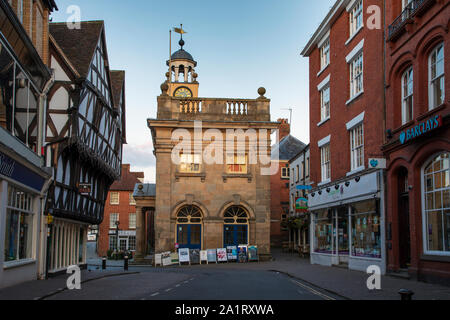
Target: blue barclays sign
point(421, 129)
point(15, 171)
point(304, 187)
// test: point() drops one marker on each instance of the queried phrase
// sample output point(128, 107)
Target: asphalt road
point(197, 284)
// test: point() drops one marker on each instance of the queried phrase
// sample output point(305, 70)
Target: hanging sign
point(232, 253)
point(222, 255)
point(184, 255)
point(253, 253)
point(212, 256)
point(301, 205)
point(203, 256)
point(422, 128)
point(85, 189)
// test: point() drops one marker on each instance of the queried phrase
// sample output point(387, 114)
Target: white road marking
point(155, 294)
point(177, 285)
point(317, 293)
point(167, 290)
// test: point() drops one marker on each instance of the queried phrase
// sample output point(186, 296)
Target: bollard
point(406, 295)
point(125, 263)
point(103, 263)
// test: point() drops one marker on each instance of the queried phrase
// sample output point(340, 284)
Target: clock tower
point(181, 77)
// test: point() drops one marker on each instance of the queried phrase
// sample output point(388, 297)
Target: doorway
point(403, 220)
point(189, 236)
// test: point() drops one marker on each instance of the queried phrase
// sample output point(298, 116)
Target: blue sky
point(239, 46)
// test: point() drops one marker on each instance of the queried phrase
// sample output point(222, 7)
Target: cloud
point(139, 155)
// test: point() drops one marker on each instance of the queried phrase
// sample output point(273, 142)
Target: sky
point(240, 45)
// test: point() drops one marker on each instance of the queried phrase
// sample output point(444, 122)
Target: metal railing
point(407, 14)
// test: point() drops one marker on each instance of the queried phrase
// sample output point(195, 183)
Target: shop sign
point(85, 189)
point(14, 170)
point(123, 233)
point(301, 205)
point(422, 128)
point(377, 163)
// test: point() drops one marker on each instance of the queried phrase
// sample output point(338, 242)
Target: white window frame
point(325, 109)
point(111, 200)
point(356, 16)
point(356, 79)
point(132, 222)
point(285, 173)
point(424, 212)
point(407, 78)
point(357, 149)
point(20, 10)
point(325, 54)
point(132, 200)
point(325, 164)
point(433, 81)
point(112, 223)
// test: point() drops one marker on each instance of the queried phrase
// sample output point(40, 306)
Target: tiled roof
point(288, 148)
point(128, 180)
point(78, 44)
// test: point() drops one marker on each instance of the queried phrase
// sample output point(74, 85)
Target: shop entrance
point(403, 220)
point(342, 239)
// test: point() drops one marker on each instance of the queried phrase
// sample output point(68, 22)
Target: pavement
point(287, 277)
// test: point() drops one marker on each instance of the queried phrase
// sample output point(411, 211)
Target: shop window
point(436, 77)
point(437, 205)
point(237, 164)
point(407, 96)
point(19, 226)
point(366, 230)
point(323, 240)
point(357, 147)
point(113, 242)
point(132, 243)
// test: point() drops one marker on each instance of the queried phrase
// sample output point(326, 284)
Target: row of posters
point(239, 254)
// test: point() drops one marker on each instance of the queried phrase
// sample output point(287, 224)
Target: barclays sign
point(421, 129)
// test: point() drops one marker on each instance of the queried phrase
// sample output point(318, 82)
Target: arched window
point(236, 215)
point(437, 204)
point(407, 95)
point(189, 214)
point(436, 91)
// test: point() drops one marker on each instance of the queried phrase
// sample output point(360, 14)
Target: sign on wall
point(421, 129)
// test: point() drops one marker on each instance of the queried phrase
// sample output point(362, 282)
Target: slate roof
point(117, 81)
point(128, 180)
point(78, 44)
point(148, 190)
point(182, 54)
point(288, 148)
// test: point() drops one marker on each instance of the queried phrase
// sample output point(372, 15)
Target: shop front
point(347, 223)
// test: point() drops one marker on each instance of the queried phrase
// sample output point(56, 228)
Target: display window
point(323, 240)
point(366, 229)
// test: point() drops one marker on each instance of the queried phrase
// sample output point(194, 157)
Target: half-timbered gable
point(85, 130)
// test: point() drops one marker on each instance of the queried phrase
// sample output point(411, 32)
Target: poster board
point(166, 260)
point(195, 256)
point(184, 255)
point(222, 255)
point(232, 253)
point(253, 253)
point(158, 260)
point(242, 253)
point(203, 256)
point(175, 258)
point(212, 256)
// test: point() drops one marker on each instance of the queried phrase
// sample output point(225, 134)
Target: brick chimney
point(284, 127)
point(126, 167)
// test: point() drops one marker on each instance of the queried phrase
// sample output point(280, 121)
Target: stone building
point(200, 205)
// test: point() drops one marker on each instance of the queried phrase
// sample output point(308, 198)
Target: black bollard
point(125, 263)
point(406, 295)
point(103, 263)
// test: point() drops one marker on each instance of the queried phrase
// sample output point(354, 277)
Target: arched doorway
point(235, 229)
point(189, 227)
point(403, 219)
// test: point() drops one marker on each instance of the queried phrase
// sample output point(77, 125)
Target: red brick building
point(418, 144)
point(347, 130)
point(285, 150)
point(120, 207)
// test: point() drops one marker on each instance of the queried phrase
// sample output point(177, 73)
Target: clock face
point(183, 92)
